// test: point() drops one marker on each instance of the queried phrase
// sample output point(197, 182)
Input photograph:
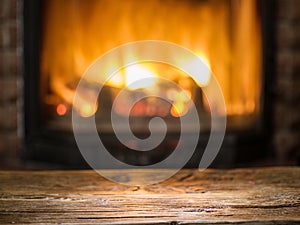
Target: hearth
point(62, 38)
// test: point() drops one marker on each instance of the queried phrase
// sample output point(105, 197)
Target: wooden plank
point(237, 196)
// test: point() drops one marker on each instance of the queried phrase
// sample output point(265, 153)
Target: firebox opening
point(224, 34)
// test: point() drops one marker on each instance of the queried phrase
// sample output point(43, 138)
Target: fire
point(137, 76)
point(87, 102)
point(145, 77)
point(87, 110)
point(61, 109)
point(203, 79)
point(178, 109)
point(181, 102)
point(225, 35)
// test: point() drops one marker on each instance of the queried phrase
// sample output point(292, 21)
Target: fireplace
point(63, 38)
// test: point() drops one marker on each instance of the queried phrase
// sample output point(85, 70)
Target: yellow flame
point(87, 110)
point(202, 79)
point(86, 102)
point(138, 76)
point(116, 81)
point(178, 109)
point(180, 105)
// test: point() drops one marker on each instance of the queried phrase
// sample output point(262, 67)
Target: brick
point(288, 90)
point(296, 65)
point(283, 88)
point(8, 91)
point(288, 9)
point(288, 69)
point(12, 35)
point(9, 64)
point(8, 117)
point(9, 35)
point(286, 117)
point(295, 12)
point(284, 63)
point(3, 36)
point(288, 35)
point(12, 9)
point(286, 143)
point(288, 64)
point(8, 9)
point(3, 9)
point(9, 145)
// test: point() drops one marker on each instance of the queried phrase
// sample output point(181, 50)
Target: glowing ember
point(61, 109)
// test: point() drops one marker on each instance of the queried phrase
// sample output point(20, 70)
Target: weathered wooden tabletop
point(238, 196)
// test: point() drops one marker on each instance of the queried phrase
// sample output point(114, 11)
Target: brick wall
point(286, 116)
point(286, 140)
point(9, 78)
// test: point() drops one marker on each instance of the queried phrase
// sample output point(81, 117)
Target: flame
point(203, 78)
point(181, 103)
point(138, 76)
point(224, 34)
point(87, 110)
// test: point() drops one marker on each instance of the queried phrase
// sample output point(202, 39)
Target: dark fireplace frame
point(239, 148)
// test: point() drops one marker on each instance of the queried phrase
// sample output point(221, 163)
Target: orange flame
point(225, 34)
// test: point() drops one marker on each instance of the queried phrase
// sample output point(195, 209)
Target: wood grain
point(237, 196)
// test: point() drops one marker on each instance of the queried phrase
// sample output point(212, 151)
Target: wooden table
point(237, 196)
